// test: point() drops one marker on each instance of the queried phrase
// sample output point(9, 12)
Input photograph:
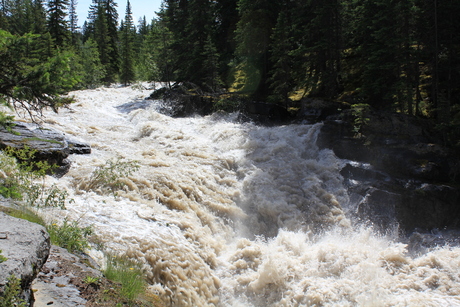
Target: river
point(223, 213)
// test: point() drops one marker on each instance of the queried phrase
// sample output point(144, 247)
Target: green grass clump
point(25, 214)
point(127, 273)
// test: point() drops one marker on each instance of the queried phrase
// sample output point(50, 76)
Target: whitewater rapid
point(223, 213)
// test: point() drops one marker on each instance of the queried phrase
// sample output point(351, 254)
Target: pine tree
point(57, 25)
point(101, 37)
point(111, 17)
point(73, 21)
point(18, 16)
point(31, 85)
point(375, 46)
point(148, 45)
point(226, 13)
point(102, 28)
point(4, 24)
point(253, 34)
point(193, 31)
point(282, 75)
point(158, 45)
point(93, 70)
point(128, 32)
point(39, 17)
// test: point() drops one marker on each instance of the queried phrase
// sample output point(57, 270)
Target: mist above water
point(223, 213)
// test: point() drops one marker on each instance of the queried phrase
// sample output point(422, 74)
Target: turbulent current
point(222, 213)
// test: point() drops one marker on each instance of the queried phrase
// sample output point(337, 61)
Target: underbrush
point(11, 294)
point(108, 178)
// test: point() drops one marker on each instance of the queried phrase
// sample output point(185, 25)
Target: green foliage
point(32, 78)
point(70, 235)
point(156, 48)
point(102, 29)
point(128, 33)
point(359, 112)
point(92, 69)
point(57, 24)
point(128, 274)
point(11, 294)
point(25, 214)
point(227, 104)
point(192, 51)
point(24, 180)
point(91, 280)
point(2, 258)
point(6, 121)
point(108, 177)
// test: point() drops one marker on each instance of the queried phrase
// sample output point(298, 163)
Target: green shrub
point(2, 258)
point(11, 294)
point(10, 184)
point(107, 177)
point(70, 235)
point(6, 121)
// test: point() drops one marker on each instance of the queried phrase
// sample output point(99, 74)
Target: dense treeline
point(393, 55)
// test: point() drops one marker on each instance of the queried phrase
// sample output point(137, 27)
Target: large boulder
point(385, 200)
point(26, 246)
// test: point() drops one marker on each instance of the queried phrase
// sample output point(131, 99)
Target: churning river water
point(223, 213)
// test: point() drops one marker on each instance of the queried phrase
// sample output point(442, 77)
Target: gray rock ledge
point(26, 246)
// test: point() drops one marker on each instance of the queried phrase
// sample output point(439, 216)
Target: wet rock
point(387, 201)
point(264, 113)
point(398, 170)
point(316, 110)
point(26, 246)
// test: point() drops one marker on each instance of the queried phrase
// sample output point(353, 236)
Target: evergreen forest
point(391, 55)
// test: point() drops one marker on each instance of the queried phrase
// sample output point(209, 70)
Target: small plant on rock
point(2, 258)
point(91, 280)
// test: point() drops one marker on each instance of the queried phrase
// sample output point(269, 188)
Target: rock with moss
point(50, 145)
point(26, 247)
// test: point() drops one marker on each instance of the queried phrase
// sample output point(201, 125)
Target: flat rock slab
point(26, 246)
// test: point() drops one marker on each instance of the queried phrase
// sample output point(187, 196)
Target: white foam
point(229, 214)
